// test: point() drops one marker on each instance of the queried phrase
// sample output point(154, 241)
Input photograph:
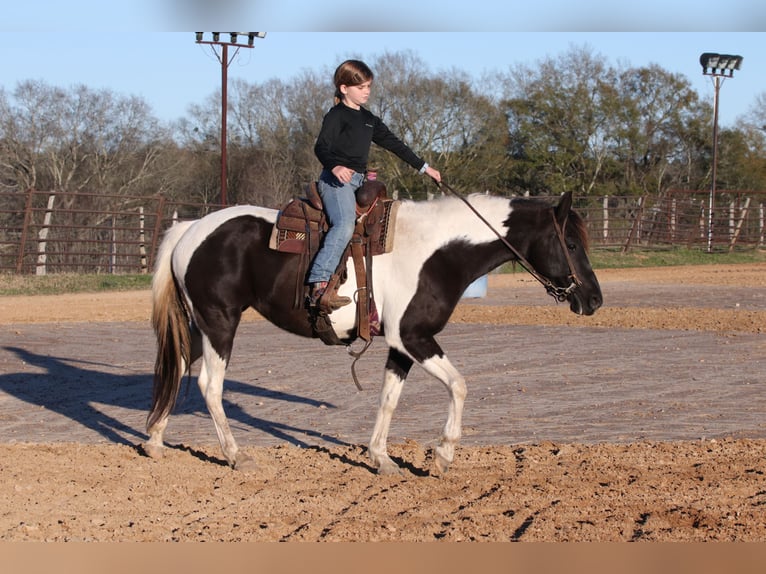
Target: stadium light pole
point(223, 58)
point(719, 67)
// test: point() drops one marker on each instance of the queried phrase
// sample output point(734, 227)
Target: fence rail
point(48, 232)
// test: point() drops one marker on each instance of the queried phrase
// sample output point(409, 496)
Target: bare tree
point(443, 119)
point(275, 126)
point(89, 148)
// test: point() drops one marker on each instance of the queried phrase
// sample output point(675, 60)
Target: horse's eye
point(572, 246)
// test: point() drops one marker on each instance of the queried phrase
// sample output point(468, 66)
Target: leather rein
point(558, 293)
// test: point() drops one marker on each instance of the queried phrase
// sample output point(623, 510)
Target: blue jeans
point(340, 207)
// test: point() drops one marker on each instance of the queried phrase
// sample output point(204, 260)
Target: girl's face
point(355, 96)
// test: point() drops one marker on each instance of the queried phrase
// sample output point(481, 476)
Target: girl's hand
point(342, 173)
point(434, 174)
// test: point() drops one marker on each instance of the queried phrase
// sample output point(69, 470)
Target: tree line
point(571, 122)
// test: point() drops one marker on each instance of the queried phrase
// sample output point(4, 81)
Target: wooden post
point(157, 229)
point(673, 219)
point(142, 240)
point(738, 228)
point(42, 236)
point(113, 247)
point(634, 229)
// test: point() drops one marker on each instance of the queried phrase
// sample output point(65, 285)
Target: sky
point(135, 48)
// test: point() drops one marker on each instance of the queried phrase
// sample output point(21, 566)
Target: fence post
point(42, 236)
point(157, 229)
point(142, 239)
point(635, 226)
point(673, 219)
point(606, 218)
point(738, 228)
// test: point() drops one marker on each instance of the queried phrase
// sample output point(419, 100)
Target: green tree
point(443, 119)
point(657, 126)
point(559, 117)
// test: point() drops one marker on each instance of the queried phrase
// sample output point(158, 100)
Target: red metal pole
point(224, 59)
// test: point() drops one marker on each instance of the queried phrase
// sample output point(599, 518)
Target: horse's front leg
point(441, 368)
point(397, 367)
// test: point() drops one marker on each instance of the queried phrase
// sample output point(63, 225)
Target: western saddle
point(300, 226)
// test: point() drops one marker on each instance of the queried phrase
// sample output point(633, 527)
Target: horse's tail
point(171, 327)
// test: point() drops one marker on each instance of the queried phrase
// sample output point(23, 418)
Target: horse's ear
point(563, 208)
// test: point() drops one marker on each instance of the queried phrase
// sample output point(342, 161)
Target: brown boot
point(319, 297)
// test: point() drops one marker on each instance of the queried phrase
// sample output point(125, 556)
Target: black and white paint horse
point(210, 270)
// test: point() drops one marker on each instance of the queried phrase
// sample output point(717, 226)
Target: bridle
point(555, 291)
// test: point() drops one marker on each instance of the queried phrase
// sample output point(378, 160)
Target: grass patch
point(70, 283)
point(614, 259)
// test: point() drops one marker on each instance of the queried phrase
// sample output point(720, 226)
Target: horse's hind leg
point(210, 383)
point(397, 367)
point(154, 447)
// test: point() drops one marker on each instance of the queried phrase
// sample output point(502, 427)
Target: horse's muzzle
point(585, 304)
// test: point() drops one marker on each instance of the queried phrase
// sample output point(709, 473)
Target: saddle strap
point(362, 291)
point(305, 259)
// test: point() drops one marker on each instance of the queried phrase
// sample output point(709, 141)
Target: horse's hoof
point(153, 451)
point(441, 465)
point(244, 464)
point(389, 468)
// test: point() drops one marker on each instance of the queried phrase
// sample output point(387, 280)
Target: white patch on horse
point(422, 228)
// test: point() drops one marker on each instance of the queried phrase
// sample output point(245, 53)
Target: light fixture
point(216, 36)
point(199, 36)
point(719, 64)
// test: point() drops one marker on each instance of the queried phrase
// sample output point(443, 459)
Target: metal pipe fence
point(49, 232)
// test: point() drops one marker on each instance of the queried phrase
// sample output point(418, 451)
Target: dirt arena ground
point(644, 422)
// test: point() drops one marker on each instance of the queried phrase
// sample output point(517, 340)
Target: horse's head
point(560, 255)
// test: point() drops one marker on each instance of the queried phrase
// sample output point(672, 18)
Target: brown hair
point(351, 73)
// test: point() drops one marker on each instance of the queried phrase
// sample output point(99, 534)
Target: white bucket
point(476, 289)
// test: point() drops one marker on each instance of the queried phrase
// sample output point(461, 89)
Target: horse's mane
point(485, 202)
point(574, 222)
point(580, 229)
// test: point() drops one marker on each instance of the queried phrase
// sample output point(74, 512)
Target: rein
point(559, 293)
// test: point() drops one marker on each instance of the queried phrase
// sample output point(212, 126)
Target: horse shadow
point(86, 392)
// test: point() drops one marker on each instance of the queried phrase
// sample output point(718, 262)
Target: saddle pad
point(381, 232)
point(289, 232)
